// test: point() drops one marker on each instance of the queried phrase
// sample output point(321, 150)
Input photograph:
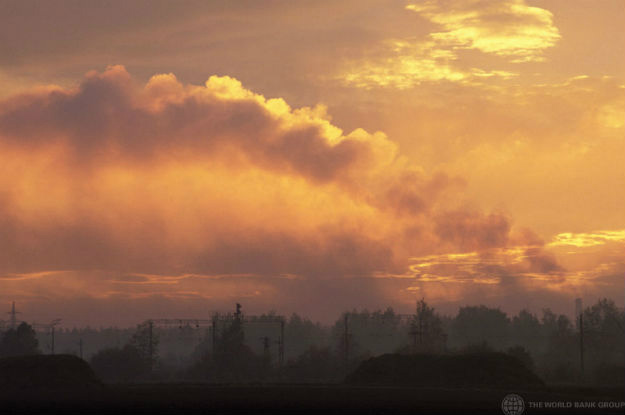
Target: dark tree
point(426, 330)
point(234, 361)
point(145, 340)
point(604, 341)
point(526, 332)
point(559, 362)
point(20, 341)
point(605, 336)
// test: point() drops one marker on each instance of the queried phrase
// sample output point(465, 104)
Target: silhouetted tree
point(604, 340)
point(20, 341)
point(604, 334)
point(145, 340)
point(559, 362)
point(426, 329)
point(234, 361)
point(526, 332)
point(231, 361)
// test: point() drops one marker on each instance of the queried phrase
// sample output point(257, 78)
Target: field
point(299, 399)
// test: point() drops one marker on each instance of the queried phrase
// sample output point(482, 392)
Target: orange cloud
point(117, 190)
point(171, 177)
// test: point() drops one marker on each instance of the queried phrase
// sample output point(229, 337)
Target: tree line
point(549, 344)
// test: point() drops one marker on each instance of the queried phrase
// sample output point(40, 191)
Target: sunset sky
point(168, 159)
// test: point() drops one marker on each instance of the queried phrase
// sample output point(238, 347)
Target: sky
point(167, 159)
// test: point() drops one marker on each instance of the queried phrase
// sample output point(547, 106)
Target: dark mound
point(46, 372)
point(462, 370)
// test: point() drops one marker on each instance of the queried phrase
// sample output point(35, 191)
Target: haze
point(163, 159)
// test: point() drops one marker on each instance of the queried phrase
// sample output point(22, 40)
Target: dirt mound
point(463, 370)
point(46, 372)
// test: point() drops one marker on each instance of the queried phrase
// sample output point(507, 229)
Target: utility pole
point(413, 334)
point(150, 345)
point(346, 342)
point(579, 322)
point(579, 309)
point(421, 329)
point(214, 336)
point(266, 353)
point(416, 328)
point(13, 319)
point(421, 309)
point(229, 318)
point(581, 342)
point(80, 347)
point(50, 330)
point(238, 312)
point(281, 344)
point(13, 313)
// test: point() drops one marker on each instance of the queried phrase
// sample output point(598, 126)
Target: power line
point(219, 318)
point(51, 328)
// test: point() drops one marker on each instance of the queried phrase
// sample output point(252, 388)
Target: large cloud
point(137, 186)
point(106, 115)
point(121, 184)
point(95, 174)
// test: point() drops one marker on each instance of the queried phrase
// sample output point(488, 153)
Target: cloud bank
point(116, 190)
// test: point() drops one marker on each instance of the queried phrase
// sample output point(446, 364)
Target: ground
point(297, 399)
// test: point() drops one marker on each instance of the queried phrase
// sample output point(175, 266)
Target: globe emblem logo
point(512, 405)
